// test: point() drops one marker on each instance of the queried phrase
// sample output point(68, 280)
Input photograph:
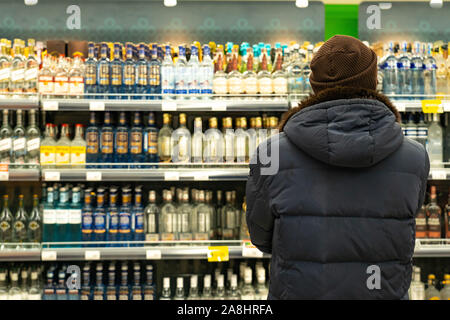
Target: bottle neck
point(5, 119)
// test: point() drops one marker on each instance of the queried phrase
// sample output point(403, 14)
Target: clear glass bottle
point(5, 66)
point(234, 78)
point(14, 292)
point(229, 140)
point(136, 289)
point(214, 143)
point(167, 75)
point(442, 72)
point(264, 77)
point(165, 140)
point(129, 72)
point(78, 148)
point(90, 68)
point(111, 289)
point(63, 146)
point(76, 78)
point(434, 214)
point(228, 219)
point(250, 82)
point(197, 141)
point(138, 218)
point(417, 288)
point(61, 85)
point(99, 217)
point(206, 73)
point(92, 141)
point(103, 70)
point(445, 291)
point(185, 213)
point(165, 293)
point(181, 142)
point(34, 223)
point(431, 293)
point(125, 216)
point(262, 290)
point(6, 222)
point(112, 217)
point(151, 140)
point(435, 143)
point(35, 290)
point(279, 77)
point(31, 68)
point(19, 140)
point(220, 82)
point(6, 138)
point(154, 66)
point(193, 72)
point(18, 67)
point(234, 293)
point(242, 141)
point(179, 292)
point(193, 289)
point(390, 71)
point(429, 73)
point(149, 287)
point(33, 138)
point(206, 293)
point(168, 218)
point(181, 74)
point(152, 213)
point(20, 223)
point(404, 71)
point(220, 290)
point(142, 86)
point(417, 70)
point(116, 71)
point(48, 147)
point(295, 80)
point(247, 291)
point(87, 219)
point(306, 71)
point(201, 218)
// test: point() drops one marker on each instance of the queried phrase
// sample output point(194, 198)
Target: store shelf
point(189, 172)
point(22, 175)
point(155, 103)
point(20, 252)
point(432, 248)
point(19, 101)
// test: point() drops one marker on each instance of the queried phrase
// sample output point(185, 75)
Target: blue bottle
point(116, 72)
point(99, 289)
point(111, 288)
point(75, 217)
point(404, 72)
point(112, 218)
point(90, 73)
point(104, 70)
point(124, 289)
point(193, 72)
point(92, 142)
point(136, 142)
point(206, 72)
point(61, 290)
point(121, 142)
point(181, 74)
point(62, 216)
point(49, 218)
point(137, 218)
point(149, 287)
point(49, 288)
point(86, 292)
point(129, 73)
point(107, 142)
point(136, 289)
point(417, 69)
point(87, 218)
point(390, 72)
point(125, 217)
point(142, 72)
point(167, 75)
point(99, 217)
point(151, 141)
point(154, 67)
point(160, 53)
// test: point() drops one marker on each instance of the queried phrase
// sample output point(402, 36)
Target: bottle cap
point(220, 281)
point(194, 281)
point(207, 280)
point(234, 280)
point(180, 282)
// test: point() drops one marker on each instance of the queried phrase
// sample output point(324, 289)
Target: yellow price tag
point(432, 106)
point(218, 254)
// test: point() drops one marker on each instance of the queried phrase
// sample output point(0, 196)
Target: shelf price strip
point(432, 106)
point(169, 106)
point(93, 176)
point(153, 254)
point(92, 255)
point(48, 255)
point(438, 174)
point(96, 106)
point(50, 105)
point(218, 254)
point(52, 176)
point(219, 106)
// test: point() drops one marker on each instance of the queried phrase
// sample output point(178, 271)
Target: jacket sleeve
point(423, 181)
point(260, 220)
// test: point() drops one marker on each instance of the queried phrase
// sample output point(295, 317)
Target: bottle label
point(280, 85)
point(17, 75)
point(265, 85)
point(92, 142)
point(75, 216)
point(90, 75)
point(241, 147)
point(19, 144)
point(46, 84)
point(129, 75)
point(86, 222)
point(167, 236)
point(5, 144)
point(220, 85)
point(107, 142)
point(31, 74)
point(235, 85)
point(136, 143)
point(122, 142)
point(155, 74)
point(142, 76)
point(151, 142)
point(124, 222)
point(5, 73)
point(183, 147)
point(99, 223)
point(77, 155)
point(180, 80)
point(422, 132)
point(48, 155)
point(139, 222)
point(206, 76)
point(168, 80)
point(62, 216)
point(116, 75)
point(33, 225)
point(4, 226)
point(49, 216)
point(61, 85)
point(113, 222)
point(76, 85)
point(62, 155)
point(103, 72)
point(19, 226)
point(166, 146)
point(33, 144)
point(251, 85)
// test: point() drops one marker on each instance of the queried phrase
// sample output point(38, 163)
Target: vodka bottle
point(422, 131)
point(129, 72)
point(63, 146)
point(14, 292)
point(442, 72)
point(99, 217)
point(5, 66)
point(295, 80)
point(31, 68)
point(168, 218)
point(432, 293)
point(149, 288)
point(220, 290)
point(181, 142)
point(417, 71)
point(121, 142)
point(165, 293)
point(435, 143)
point(434, 214)
point(154, 67)
point(193, 290)
point(78, 148)
point(261, 288)
point(35, 290)
point(142, 67)
point(306, 71)
point(19, 141)
point(234, 293)
point(193, 72)
point(181, 73)
point(206, 74)
point(112, 217)
point(242, 142)
point(265, 85)
point(228, 219)
point(76, 78)
point(34, 224)
point(125, 216)
point(165, 140)
point(20, 223)
point(75, 216)
point(6, 222)
point(234, 78)
point(3, 286)
point(167, 75)
point(107, 140)
point(214, 143)
point(390, 71)
point(111, 289)
point(247, 291)
point(90, 67)
point(429, 73)
point(32, 135)
point(206, 293)
point(250, 82)
point(151, 140)
point(103, 70)
point(92, 141)
point(417, 289)
point(48, 217)
point(136, 140)
point(220, 82)
point(6, 135)
point(48, 147)
point(87, 220)
point(279, 77)
point(201, 219)
point(411, 128)
point(404, 72)
point(61, 85)
point(179, 292)
point(445, 292)
point(151, 213)
point(116, 67)
point(197, 141)
point(229, 140)
point(62, 216)
point(138, 217)
point(18, 67)
point(184, 217)
point(261, 133)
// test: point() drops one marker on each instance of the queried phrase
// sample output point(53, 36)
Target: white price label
point(219, 106)
point(153, 254)
point(92, 255)
point(4, 176)
point(200, 176)
point(446, 105)
point(417, 245)
point(169, 106)
point(171, 176)
point(94, 176)
point(52, 176)
point(50, 105)
point(97, 106)
point(250, 252)
point(48, 255)
point(438, 175)
point(401, 106)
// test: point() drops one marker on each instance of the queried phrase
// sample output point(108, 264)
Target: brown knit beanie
point(343, 61)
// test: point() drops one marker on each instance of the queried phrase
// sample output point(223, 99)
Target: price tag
point(218, 254)
point(200, 176)
point(432, 106)
point(92, 255)
point(417, 245)
point(438, 174)
point(93, 176)
point(250, 251)
point(153, 254)
point(48, 255)
point(96, 105)
point(4, 173)
point(52, 176)
point(171, 176)
point(50, 105)
point(446, 105)
point(401, 106)
point(219, 106)
point(169, 106)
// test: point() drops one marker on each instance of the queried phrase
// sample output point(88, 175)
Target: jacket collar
point(339, 93)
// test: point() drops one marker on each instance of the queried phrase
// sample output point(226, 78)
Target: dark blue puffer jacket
point(344, 197)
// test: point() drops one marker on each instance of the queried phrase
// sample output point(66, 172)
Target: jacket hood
point(346, 127)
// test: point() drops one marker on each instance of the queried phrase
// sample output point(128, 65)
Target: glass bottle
point(111, 290)
point(116, 71)
point(220, 290)
point(142, 86)
point(78, 148)
point(154, 66)
point(48, 147)
point(85, 292)
point(435, 143)
point(417, 71)
point(5, 67)
point(234, 78)
point(14, 292)
point(429, 73)
point(295, 80)
point(250, 82)
point(184, 217)
point(129, 72)
point(214, 143)
point(197, 141)
point(136, 289)
point(35, 290)
point(261, 288)
point(193, 72)
point(99, 218)
point(136, 141)
point(417, 288)
point(434, 216)
point(76, 78)
point(181, 142)
point(442, 72)
point(6, 222)
point(63, 146)
point(229, 140)
point(306, 71)
point(247, 291)
point(181, 74)
point(168, 218)
point(234, 293)
point(228, 219)
point(18, 66)
point(165, 140)
point(279, 78)
point(87, 223)
point(220, 82)
point(61, 85)
point(151, 213)
point(34, 226)
point(32, 136)
point(107, 141)
point(92, 141)
point(206, 72)
point(6, 138)
point(75, 216)
point(167, 75)
point(431, 293)
point(179, 292)
point(151, 140)
point(165, 293)
point(90, 67)
point(31, 68)
point(125, 216)
point(264, 77)
point(19, 140)
point(445, 291)
point(112, 217)
point(149, 288)
point(121, 142)
point(99, 288)
point(19, 223)
point(193, 290)
point(242, 142)
point(138, 217)
point(206, 293)
point(103, 70)
point(404, 71)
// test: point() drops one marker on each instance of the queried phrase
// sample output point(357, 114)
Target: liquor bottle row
point(21, 282)
point(431, 223)
point(72, 214)
point(417, 289)
point(418, 69)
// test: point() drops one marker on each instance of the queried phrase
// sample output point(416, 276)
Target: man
point(338, 215)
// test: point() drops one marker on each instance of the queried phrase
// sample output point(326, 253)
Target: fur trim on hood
point(336, 94)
